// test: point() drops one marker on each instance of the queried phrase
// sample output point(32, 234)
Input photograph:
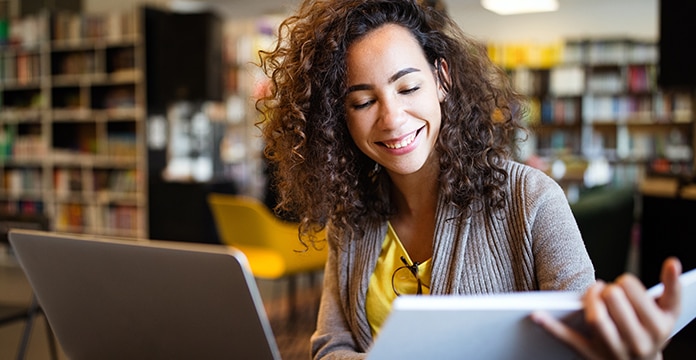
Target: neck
point(415, 199)
point(416, 194)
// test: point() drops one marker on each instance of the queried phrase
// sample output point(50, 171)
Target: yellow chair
point(271, 245)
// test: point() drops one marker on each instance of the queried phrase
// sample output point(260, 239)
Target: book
point(493, 326)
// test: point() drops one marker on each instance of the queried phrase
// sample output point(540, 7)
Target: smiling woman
point(394, 130)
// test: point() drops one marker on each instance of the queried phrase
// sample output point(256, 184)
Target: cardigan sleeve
point(333, 338)
point(561, 260)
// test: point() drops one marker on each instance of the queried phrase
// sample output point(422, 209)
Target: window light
point(510, 7)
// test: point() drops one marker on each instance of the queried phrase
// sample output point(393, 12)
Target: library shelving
point(242, 146)
point(71, 122)
point(601, 101)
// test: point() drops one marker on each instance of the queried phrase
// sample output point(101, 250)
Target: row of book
point(32, 145)
point(67, 181)
point(632, 146)
point(102, 97)
point(116, 181)
point(582, 52)
point(567, 80)
point(576, 80)
point(74, 180)
point(30, 31)
point(121, 145)
point(556, 142)
point(24, 68)
point(120, 217)
point(20, 68)
point(113, 219)
point(113, 61)
point(24, 33)
point(21, 181)
point(530, 82)
point(22, 146)
point(657, 108)
point(68, 26)
point(526, 54)
point(560, 111)
point(641, 78)
point(610, 51)
point(24, 207)
point(636, 79)
point(103, 219)
point(74, 63)
point(606, 83)
point(671, 146)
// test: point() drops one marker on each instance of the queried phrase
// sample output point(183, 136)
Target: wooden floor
point(15, 291)
point(292, 330)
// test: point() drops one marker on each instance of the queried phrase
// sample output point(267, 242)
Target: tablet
point(492, 326)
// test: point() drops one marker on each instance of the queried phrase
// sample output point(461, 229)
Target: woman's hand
point(624, 321)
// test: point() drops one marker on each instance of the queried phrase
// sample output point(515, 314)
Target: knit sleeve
point(333, 338)
point(560, 258)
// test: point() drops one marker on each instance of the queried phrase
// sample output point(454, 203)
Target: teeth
point(403, 143)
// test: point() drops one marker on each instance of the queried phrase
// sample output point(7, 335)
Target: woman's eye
point(410, 90)
point(362, 105)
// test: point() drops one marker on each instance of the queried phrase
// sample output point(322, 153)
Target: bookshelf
point(242, 144)
point(72, 122)
point(601, 101)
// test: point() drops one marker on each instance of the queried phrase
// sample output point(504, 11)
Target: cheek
point(355, 133)
point(359, 132)
point(356, 128)
point(436, 122)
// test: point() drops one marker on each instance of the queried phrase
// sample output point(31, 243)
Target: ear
point(442, 77)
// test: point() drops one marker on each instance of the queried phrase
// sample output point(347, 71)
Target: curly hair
point(322, 176)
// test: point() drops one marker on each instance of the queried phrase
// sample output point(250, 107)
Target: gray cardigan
point(533, 244)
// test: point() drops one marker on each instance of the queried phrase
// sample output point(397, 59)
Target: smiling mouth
point(408, 140)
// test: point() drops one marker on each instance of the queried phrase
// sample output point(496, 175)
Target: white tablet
point(491, 327)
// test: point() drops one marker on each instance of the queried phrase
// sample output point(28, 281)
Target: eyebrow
point(399, 74)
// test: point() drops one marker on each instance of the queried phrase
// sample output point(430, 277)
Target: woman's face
point(393, 101)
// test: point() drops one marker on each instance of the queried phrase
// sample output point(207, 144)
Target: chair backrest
point(243, 220)
point(605, 217)
point(273, 246)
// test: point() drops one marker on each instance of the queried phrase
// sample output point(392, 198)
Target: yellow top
point(380, 293)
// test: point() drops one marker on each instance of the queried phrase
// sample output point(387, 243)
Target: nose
point(391, 113)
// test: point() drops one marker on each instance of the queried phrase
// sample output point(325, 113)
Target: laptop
point(145, 299)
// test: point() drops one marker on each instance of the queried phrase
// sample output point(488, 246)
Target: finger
point(635, 338)
point(653, 319)
point(670, 300)
point(599, 320)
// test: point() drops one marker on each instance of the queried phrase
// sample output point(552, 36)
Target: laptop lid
point(127, 299)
